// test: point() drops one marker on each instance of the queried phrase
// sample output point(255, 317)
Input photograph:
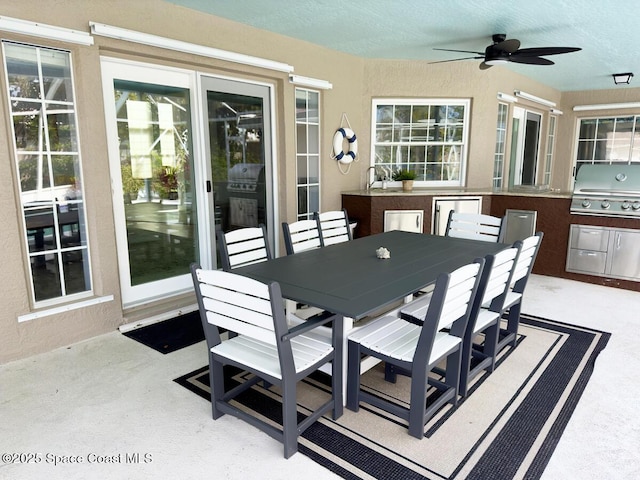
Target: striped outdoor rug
point(506, 428)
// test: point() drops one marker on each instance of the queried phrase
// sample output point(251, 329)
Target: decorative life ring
point(338, 152)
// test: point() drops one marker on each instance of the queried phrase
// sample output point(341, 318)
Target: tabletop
point(348, 278)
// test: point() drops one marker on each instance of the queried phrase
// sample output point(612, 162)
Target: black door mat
point(170, 335)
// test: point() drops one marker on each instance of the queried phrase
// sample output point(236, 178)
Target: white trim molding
point(300, 81)
point(606, 106)
point(506, 97)
point(43, 30)
point(186, 47)
point(534, 99)
point(65, 308)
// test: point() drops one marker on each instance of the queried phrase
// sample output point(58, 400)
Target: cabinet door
point(407, 220)
point(625, 255)
point(442, 207)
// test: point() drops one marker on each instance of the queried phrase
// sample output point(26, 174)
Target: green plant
point(404, 175)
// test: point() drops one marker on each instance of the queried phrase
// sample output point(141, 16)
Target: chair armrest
point(309, 324)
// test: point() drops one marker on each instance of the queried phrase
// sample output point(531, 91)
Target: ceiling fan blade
point(456, 60)
point(538, 52)
point(509, 46)
point(530, 60)
point(485, 66)
point(460, 51)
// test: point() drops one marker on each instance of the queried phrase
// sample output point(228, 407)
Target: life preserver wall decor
point(338, 152)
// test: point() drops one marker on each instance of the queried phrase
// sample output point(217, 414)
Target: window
point(501, 145)
point(428, 137)
point(608, 140)
point(525, 142)
point(49, 171)
point(307, 152)
point(551, 141)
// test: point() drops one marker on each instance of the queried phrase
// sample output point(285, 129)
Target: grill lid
point(609, 190)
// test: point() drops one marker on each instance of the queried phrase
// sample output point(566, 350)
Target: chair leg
point(353, 376)
point(390, 374)
point(216, 381)
point(417, 406)
point(465, 365)
point(452, 374)
point(289, 418)
point(490, 349)
point(513, 321)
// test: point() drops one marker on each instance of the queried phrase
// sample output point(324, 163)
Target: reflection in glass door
point(239, 150)
point(151, 162)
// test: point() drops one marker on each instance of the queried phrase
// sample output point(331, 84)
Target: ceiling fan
point(504, 51)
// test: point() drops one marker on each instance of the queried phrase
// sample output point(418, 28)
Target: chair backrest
point(496, 279)
point(453, 296)
point(475, 226)
point(236, 303)
point(334, 226)
point(526, 259)
point(301, 235)
point(243, 247)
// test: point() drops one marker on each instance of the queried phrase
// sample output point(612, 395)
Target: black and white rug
point(506, 428)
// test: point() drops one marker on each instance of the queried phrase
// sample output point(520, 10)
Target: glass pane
point(75, 278)
point(156, 169)
point(314, 139)
point(301, 105)
point(45, 271)
point(314, 199)
point(313, 106)
point(303, 174)
point(314, 169)
point(301, 138)
point(302, 200)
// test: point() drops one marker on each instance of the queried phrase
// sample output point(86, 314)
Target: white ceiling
point(606, 30)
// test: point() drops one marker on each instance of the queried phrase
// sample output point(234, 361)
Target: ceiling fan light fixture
point(496, 61)
point(622, 78)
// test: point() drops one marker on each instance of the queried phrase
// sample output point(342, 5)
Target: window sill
point(64, 308)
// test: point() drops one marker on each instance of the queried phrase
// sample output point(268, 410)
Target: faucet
point(366, 176)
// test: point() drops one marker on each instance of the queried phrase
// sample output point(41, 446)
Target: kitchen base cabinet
point(603, 251)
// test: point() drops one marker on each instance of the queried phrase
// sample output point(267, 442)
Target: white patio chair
point(513, 301)
point(266, 347)
point(475, 226)
point(334, 226)
point(301, 235)
point(415, 350)
point(243, 247)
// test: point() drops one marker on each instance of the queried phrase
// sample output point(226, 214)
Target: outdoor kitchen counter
point(457, 192)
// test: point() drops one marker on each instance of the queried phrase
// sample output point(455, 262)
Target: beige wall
point(355, 82)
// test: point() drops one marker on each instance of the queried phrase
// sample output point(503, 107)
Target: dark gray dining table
point(348, 278)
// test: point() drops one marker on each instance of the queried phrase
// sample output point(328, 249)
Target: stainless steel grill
point(607, 190)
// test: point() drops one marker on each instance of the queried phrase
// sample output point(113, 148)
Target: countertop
point(524, 192)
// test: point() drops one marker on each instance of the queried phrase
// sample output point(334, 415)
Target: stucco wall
point(355, 82)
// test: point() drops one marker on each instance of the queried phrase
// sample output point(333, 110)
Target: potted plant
point(406, 177)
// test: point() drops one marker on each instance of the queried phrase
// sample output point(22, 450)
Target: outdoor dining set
point(437, 309)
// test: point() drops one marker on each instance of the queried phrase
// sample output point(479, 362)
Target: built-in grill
point(607, 190)
point(245, 190)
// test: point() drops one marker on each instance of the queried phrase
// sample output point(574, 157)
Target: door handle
point(208, 186)
point(417, 221)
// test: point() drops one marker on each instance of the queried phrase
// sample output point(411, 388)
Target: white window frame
point(58, 205)
point(304, 154)
point(462, 144)
point(500, 154)
point(551, 144)
point(634, 146)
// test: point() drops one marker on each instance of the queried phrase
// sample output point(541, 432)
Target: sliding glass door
point(152, 169)
point(190, 155)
